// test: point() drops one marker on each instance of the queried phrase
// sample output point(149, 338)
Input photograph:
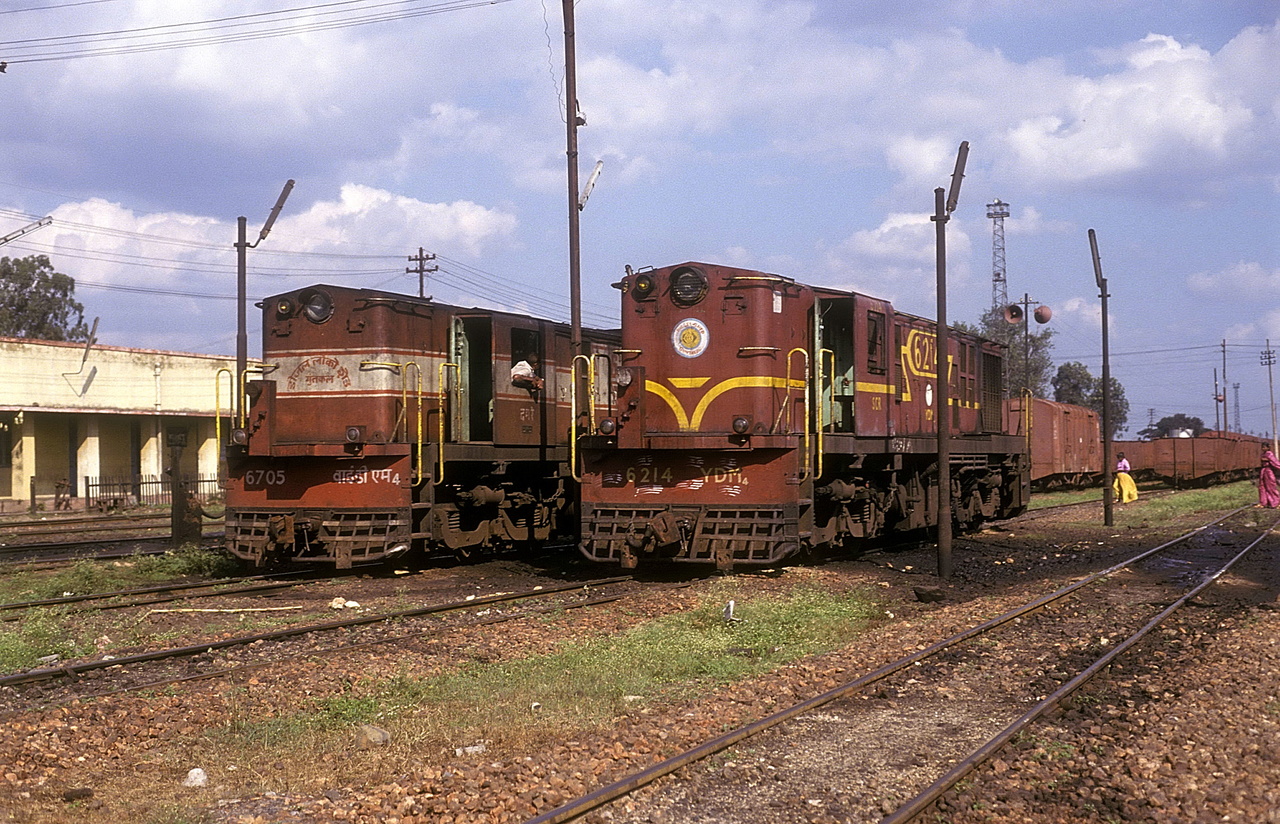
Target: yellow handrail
point(418, 471)
point(444, 410)
point(808, 467)
point(217, 410)
point(1026, 416)
point(244, 382)
point(403, 368)
point(823, 356)
point(573, 409)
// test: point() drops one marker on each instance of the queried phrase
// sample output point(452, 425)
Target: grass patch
point(1195, 501)
point(1149, 503)
point(581, 687)
point(39, 634)
point(90, 576)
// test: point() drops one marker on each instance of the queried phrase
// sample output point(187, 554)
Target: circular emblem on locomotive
point(690, 338)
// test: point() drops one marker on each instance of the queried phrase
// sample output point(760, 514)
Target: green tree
point(1074, 384)
point(1027, 364)
point(1171, 425)
point(37, 302)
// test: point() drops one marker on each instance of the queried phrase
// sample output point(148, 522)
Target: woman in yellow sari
point(1126, 490)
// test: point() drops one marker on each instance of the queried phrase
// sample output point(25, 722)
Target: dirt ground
point(1190, 732)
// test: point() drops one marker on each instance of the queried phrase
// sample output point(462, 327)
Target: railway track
point(163, 593)
point(61, 538)
point(214, 658)
point(1053, 644)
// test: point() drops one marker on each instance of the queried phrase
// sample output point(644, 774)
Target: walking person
point(1268, 494)
point(1126, 490)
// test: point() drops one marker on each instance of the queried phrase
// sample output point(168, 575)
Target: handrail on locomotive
point(403, 369)
point(445, 411)
point(574, 433)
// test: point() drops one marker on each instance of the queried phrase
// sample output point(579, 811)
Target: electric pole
point(242, 247)
point(942, 358)
point(1108, 515)
point(1269, 360)
point(422, 269)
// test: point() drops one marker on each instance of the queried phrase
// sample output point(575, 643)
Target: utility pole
point(1236, 389)
point(422, 269)
point(1269, 360)
point(1226, 421)
point(242, 334)
point(572, 122)
point(1217, 398)
point(1108, 517)
point(942, 357)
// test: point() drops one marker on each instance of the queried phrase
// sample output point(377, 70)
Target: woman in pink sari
point(1268, 494)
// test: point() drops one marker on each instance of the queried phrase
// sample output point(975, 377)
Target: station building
point(81, 423)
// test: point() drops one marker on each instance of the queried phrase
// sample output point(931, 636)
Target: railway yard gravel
point(1184, 729)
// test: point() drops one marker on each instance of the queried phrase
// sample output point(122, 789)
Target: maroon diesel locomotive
point(380, 423)
point(757, 418)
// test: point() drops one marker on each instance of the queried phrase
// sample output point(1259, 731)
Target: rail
point(912, 808)
point(628, 784)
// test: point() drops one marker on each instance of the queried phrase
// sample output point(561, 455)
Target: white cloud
point(363, 212)
point(1242, 278)
point(1086, 310)
point(1168, 109)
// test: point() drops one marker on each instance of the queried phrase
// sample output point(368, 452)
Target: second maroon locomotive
point(757, 418)
point(380, 423)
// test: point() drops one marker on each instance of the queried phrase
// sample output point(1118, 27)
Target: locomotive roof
point(825, 291)
point(400, 297)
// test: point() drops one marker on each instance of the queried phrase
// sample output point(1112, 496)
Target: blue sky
point(802, 138)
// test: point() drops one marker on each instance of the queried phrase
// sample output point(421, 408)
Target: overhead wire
point(255, 26)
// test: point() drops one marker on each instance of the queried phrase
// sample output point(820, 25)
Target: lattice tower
point(998, 211)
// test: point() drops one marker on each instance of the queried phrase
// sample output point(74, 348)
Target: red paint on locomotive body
point(758, 417)
point(383, 422)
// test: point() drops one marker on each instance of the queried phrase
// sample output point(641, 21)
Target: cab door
point(520, 414)
point(836, 361)
point(471, 352)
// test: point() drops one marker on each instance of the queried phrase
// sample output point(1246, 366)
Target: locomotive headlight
point(355, 434)
point(740, 425)
point(642, 287)
point(240, 437)
point(317, 305)
point(623, 377)
point(608, 426)
point(688, 286)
